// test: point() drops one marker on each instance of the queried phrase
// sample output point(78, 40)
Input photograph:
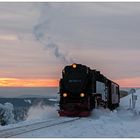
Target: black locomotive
point(82, 89)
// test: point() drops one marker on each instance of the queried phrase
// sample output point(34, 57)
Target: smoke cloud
point(41, 32)
point(41, 112)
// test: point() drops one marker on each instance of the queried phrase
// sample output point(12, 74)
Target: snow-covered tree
point(6, 114)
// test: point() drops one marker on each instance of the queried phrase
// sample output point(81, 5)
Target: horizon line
point(45, 87)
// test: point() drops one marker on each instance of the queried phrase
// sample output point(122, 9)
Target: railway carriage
point(83, 89)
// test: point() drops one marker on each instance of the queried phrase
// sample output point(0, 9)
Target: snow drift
point(122, 122)
point(103, 123)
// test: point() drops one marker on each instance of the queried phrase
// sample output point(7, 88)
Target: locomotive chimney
point(98, 72)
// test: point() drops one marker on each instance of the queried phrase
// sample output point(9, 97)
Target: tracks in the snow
point(11, 132)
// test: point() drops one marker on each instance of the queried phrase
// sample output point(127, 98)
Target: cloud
point(104, 36)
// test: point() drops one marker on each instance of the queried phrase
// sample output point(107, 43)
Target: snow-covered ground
point(35, 114)
point(122, 122)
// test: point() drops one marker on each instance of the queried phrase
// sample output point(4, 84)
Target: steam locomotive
point(83, 89)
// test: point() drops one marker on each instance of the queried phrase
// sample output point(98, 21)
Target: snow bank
point(41, 112)
point(103, 123)
point(55, 100)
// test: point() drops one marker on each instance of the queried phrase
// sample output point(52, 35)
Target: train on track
point(82, 89)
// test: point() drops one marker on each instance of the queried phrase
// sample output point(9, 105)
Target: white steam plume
point(41, 112)
point(41, 33)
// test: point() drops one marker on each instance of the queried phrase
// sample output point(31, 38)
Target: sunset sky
point(38, 39)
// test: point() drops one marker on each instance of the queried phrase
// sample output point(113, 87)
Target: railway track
point(35, 126)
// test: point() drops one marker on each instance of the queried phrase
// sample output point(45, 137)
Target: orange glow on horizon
point(129, 82)
point(14, 82)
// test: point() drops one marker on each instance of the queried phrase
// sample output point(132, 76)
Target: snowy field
point(122, 122)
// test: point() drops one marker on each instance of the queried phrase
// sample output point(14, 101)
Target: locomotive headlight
point(82, 94)
point(65, 94)
point(74, 65)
